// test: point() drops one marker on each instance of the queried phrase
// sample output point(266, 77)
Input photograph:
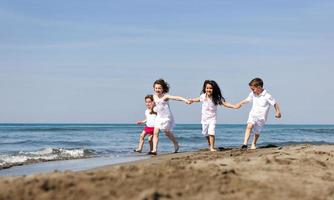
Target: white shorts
point(208, 129)
point(257, 124)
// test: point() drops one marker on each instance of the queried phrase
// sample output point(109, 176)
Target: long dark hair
point(217, 96)
point(150, 96)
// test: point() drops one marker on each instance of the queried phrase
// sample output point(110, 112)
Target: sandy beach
point(291, 172)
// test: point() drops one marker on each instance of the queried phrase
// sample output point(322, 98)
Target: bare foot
point(213, 149)
point(137, 150)
point(153, 153)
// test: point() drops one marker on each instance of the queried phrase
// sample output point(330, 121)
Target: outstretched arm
point(229, 105)
point(141, 122)
point(277, 111)
point(238, 105)
point(178, 98)
point(194, 100)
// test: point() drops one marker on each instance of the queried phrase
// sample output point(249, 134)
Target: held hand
point(189, 101)
point(278, 115)
point(139, 122)
point(237, 106)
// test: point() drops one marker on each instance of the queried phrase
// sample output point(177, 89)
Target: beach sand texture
point(292, 172)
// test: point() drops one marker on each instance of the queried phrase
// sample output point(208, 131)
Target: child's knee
point(156, 132)
point(168, 133)
point(250, 126)
point(142, 136)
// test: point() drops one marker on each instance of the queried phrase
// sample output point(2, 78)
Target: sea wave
point(63, 127)
point(43, 155)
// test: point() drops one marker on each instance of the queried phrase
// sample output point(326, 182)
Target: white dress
point(209, 115)
point(164, 119)
point(209, 110)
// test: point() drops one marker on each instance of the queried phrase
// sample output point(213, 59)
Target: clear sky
point(88, 61)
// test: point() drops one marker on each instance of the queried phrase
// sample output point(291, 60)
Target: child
point(164, 120)
point(258, 115)
point(211, 97)
point(149, 120)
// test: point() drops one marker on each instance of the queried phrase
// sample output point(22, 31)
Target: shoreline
point(75, 165)
point(45, 166)
point(91, 163)
point(288, 172)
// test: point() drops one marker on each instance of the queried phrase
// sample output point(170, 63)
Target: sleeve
point(271, 100)
point(250, 97)
point(202, 98)
point(146, 112)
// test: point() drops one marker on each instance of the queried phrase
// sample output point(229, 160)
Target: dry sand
point(291, 172)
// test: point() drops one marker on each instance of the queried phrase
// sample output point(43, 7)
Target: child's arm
point(178, 98)
point(229, 105)
point(277, 111)
point(197, 99)
point(238, 105)
point(141, 122)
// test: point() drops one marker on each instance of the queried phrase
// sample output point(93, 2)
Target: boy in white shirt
point(262, 101)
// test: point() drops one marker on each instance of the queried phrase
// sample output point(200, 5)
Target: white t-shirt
point(209, 110)
point(150, 118)
point(261, 104)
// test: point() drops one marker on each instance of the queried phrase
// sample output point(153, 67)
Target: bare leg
point(150, 141)
point(256, 137)
point(141, 142)
point(155, 140)
point(170, 135)
point(212, 143)
point(248, 132)
point(208, 138)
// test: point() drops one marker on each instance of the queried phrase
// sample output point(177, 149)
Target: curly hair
point(163, 83)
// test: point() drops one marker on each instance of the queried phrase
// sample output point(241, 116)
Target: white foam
point(73, 153)
point(46, 154)
point(13, 159)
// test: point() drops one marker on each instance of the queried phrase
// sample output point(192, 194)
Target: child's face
point(208, 90)
point(158, 89)
point(149, 103)
point(256, 90)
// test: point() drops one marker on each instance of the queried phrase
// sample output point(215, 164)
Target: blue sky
point(94, 61)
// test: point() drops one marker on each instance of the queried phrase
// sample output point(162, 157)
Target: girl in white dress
point(164, 120)
point(211, 97)
point(150, 116)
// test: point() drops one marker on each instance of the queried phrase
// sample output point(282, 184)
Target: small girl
point(211, 97)
point(164, 120)
point(149, 120)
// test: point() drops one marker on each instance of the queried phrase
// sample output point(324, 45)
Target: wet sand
point(291, 172)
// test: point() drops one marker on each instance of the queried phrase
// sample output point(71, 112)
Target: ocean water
point(93, 145)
